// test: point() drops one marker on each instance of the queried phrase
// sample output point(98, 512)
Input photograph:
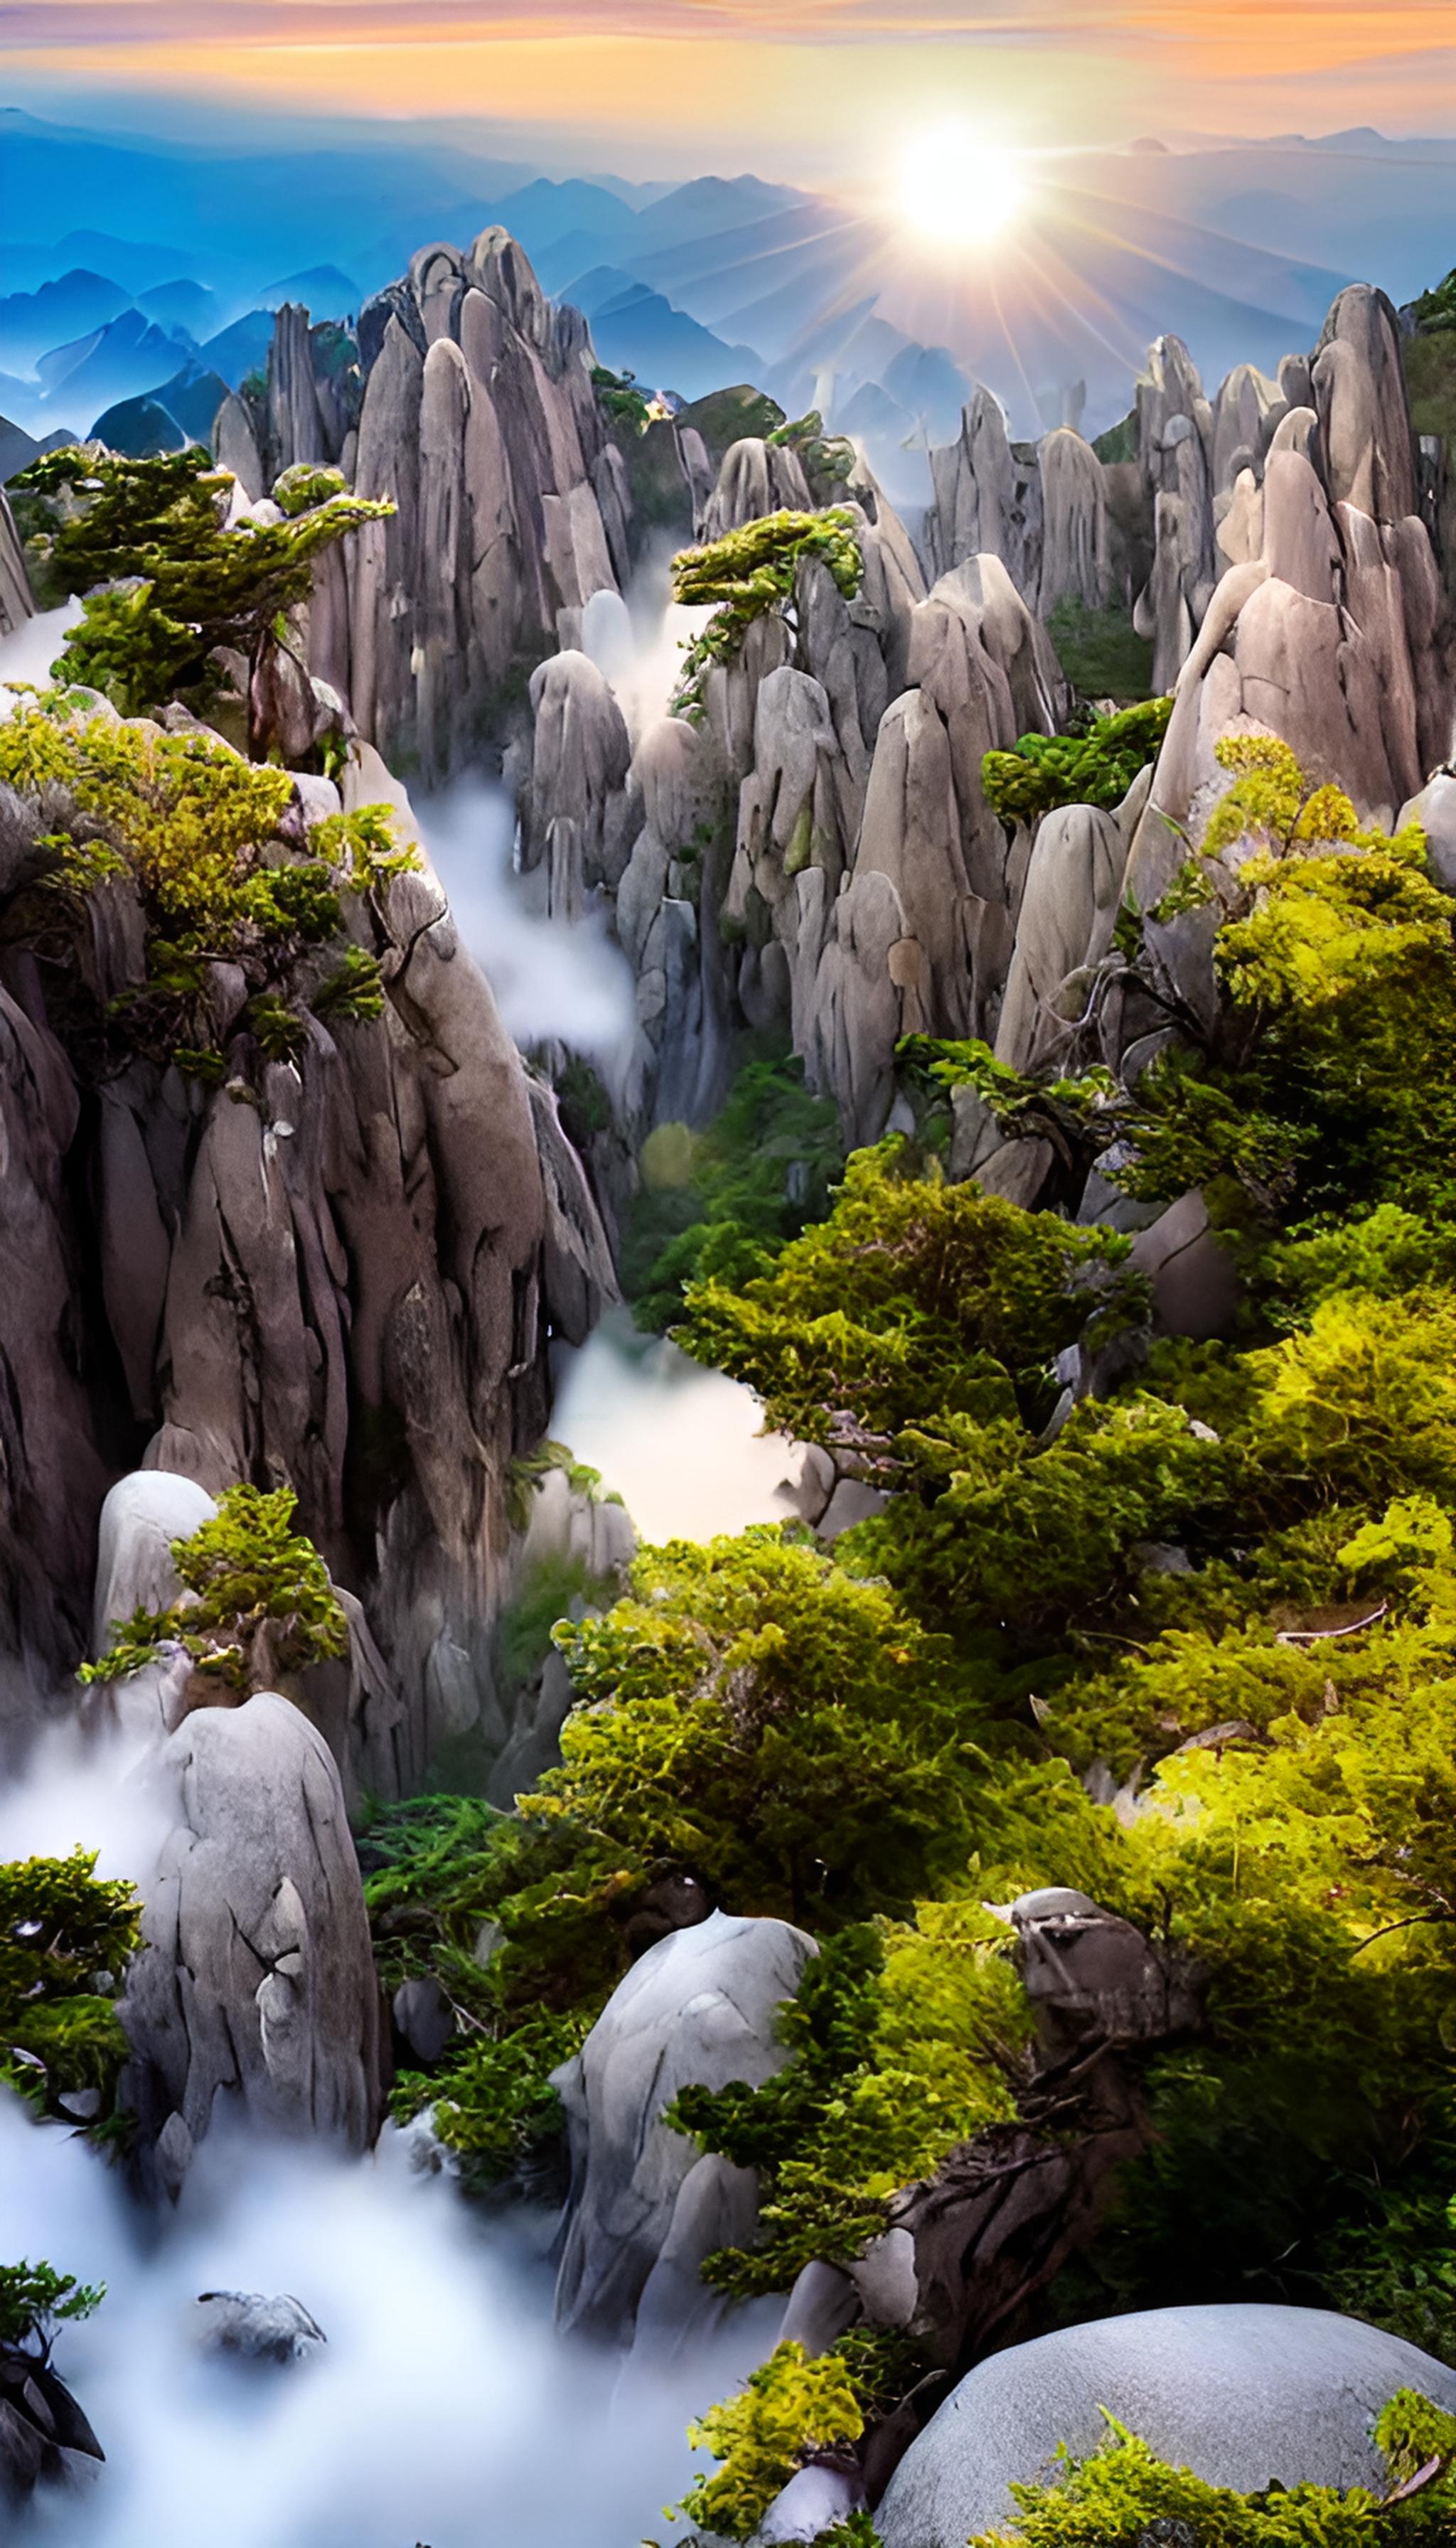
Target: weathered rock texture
point(340, 1273)
point(1330, 630)
point(1240, 2394)
point(645, 2209)
point(43, 2431)
point(16, 604)
point(466, 398)
point(254, 1988)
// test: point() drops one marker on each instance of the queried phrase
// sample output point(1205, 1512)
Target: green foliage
point(788, 2408)
point(1336, 1088)
point(353, 994)
point(193, 827)
point(35, 2300)
point(1118, 442)
point(618, 396)
point(748, 572)
point(527, 1472)
point(1093, 769)
point(495, 2104)
point(1101, 653)
point(1079, 1115)
point(758, 1717)
point(65, 1937)
point(553, 1589)
point(1432, 311)
point(164, 583)
point(430, 1880)
point(746, 1185)
point(256, 1600)
point(914, 1294)
point(1411, 2432)
point(365, 846)
point(308, 483)
point(905, 2040)
point(1114, 2498)
point(828, 458)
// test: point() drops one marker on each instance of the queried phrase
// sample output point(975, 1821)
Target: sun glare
point(958, 188)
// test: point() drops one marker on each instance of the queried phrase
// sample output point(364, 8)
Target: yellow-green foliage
point(748, 572)
point(913, 1294)
point(65, 1939)
point(1410, 2431)
point(164, 583)
point(905, 2041)
point(1093, 769)
point(256, 1600)
point(1123, 2496)
point(788, 2408)
point(758, 1717)
point(193, 827)
point(1333, 1086)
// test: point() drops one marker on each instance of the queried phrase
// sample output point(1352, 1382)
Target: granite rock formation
point(342, 1283)
point(645, 2209)
point(1240, 2393)
point(254, 1990)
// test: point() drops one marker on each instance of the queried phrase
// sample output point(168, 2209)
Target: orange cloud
point(812, 80)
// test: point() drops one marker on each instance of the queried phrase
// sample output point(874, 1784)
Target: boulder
point(1434, 809)
point(1075, 525)
point(756, 477)
point(644, 2208)
point(255, 2327)
point(980, 495)
point(43, 2431)
point(1195, 1290)
point(814, 2500)
point(16, 603)
point(574, 813)
point(143, 1515)
point(1241, 2393)
point(255, 1985)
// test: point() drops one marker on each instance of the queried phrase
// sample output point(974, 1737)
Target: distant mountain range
point(692, 287)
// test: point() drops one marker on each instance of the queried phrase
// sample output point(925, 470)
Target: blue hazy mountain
point(637, 330)
point(182, 303)
point(1238, 248)
point(32, 323)
point(322, 289)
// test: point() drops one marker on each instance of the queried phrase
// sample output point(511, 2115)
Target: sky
point(796, 88)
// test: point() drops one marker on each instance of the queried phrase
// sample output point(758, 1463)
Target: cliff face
point(817, 856)
point(337, 1270)
point(346, 1278)
point(467, 398)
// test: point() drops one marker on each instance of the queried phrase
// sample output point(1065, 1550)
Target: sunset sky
point(796, 87)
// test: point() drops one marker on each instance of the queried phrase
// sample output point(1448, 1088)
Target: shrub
point(65, 1939)
point(256, 1600)
point(620, 399)
point(1093, 769)
point(748, 572)
point(192, 827)
point(751, 1181)
point(1123, 2496)
point(35, 2300)
point(787, 2409)
point(914, 1294)
point(164, 583)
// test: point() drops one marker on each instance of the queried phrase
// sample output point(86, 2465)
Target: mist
point(27, 653)
point(441, 2409)
point(555, 980)
point(681, 1445)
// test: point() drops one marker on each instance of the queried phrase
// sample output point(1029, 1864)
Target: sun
point(958, 188)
